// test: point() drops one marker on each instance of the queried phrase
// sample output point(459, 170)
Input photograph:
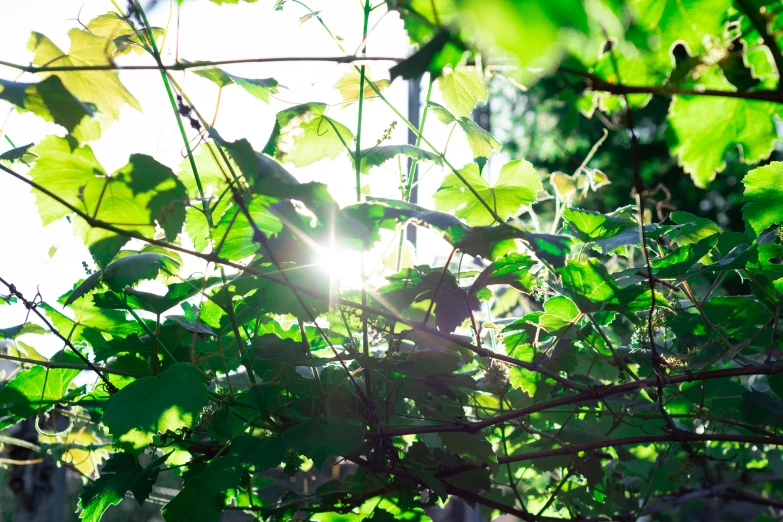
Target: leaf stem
point(172, 101)
point(358, 164)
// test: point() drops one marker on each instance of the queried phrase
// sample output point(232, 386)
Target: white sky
point(207, 32)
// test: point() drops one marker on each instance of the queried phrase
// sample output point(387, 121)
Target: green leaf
point(90, 321)
point(116, 28)
point(35, 389)
point(126, 271)
point(512, 269)
point(763, 197)
point(120, 474)
point(131, 269)
point(559, 313)
point(430, 480)
point(22, 154)
point(440, 51)
point(64, 171)
point(692, 228)
point(677, 263)
point(234, 234)
point(48, 99)
point(260, 453)
point(259, 88)
point(171, 401)
point(533, 32)
point(589, 285)
point(206, 494)
point(158, 304)
point(319, 438)
point(689, 22)
point(592, 226)
point(349, 86)
point(378, 155)
point(21, 329)
point(705, 128)
point(101, 88)
point(473, 447)
point(133, 198)
point(760, 409)
point(515, 188)
point(304, 134)
point(462, 88)
point(488, 242)
point(417, 285)
point(532, 383)
point(481, 143)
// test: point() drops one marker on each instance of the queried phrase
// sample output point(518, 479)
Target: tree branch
point(55, 364)
point(593, 395)
point(182, 66)
point(599, 84)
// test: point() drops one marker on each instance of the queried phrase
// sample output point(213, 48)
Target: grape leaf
point(157, 304)
point(512, 269)
point(234, 235)
point(349, 86)
point(35, 389)
point(473, 447)
point(259, 88)
point(705, 128)
point(442, 50)
point(481, 143)
point(304, 134)
point(116, 28)
point(260, 453)
point(692, 228)
point(378, 155)
point(319, 438)
point(132, 198)
point(763, 197)
point(22, 154)
point(589, 285)
point(65, 172)
point(22, 329)
point(592, 226)
point(559, 313)
point(205, 495)
point(533, 32)
point(678, 262)
point(171, 401)
point(126, 271)
point(515, 187)
point(686, 21)
point(101, 88)
point(48, 99)
point(462, 88)
point(120, 474)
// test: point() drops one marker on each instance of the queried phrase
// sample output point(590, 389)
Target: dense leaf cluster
point(579, 365)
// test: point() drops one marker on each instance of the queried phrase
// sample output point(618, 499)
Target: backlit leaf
point(515, 187)
point(304, 134)
point(101, 88)
point(171, 401)
point(763, 197)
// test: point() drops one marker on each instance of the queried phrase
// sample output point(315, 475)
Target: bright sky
point(207, 32)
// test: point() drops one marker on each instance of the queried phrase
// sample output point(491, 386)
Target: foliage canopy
point(580, 364)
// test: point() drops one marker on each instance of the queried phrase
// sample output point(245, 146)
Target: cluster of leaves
point(604, 356)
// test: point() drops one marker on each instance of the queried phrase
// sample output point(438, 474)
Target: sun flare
point(343, 266)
